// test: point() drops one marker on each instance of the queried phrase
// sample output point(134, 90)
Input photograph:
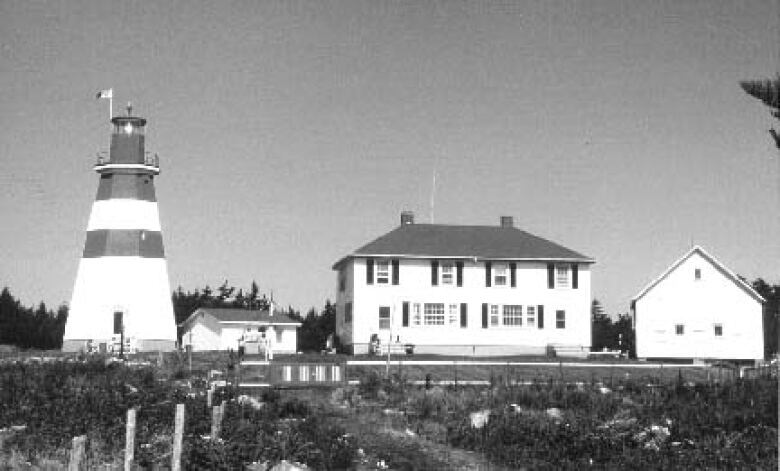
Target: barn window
point(679, 329)
point(718, 330)
point(697, 274)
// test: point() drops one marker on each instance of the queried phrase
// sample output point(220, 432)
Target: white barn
point(221, 329)
point(698, 309)
point(471, 290)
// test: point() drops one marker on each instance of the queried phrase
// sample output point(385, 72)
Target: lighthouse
point(122, 294)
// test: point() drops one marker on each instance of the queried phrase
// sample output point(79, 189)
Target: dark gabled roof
point(481, 242)
point(245, 315)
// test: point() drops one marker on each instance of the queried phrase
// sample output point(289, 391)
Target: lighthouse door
point(118, 325)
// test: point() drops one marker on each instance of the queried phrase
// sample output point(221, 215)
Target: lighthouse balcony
point(150, 164)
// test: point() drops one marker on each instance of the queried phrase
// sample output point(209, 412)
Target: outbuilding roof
point(231, 315)
point(476, 242)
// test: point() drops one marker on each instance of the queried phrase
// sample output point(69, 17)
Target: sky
point(291, 133)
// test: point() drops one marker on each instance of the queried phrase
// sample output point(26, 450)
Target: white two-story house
point(469, 290)
point(698, 309)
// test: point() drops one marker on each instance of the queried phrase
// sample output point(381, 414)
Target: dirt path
point(383, 439)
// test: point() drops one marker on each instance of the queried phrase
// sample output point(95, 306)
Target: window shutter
point(370, 271)
point(512, 275)
point(405, 313)
point(464, 315)
point(395, 272)
point(487, 274)
point(550, 276)
point(574, 275)
point(484, 315)
point(540, 316)
point(459, 273)
point(434, 272)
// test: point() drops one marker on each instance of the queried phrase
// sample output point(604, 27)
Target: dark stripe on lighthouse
point(126, 186)
point(123, 243)
point(127, 149)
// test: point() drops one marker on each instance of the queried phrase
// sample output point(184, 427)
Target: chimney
point(407, 217)
point(507, 221)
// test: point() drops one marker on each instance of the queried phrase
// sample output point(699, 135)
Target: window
point(560, 319)
point(382, 272)
point(679, 329)
point(718, 330)
point(499, 275)
point(348, 313)
point(453, 314)
point(342, 281)
point(697, 274)
point(278, 335)
point(562, 276)
point(433, 314)
point(384, 317)
point(447, 273)
point(416, 314)
point(513, 314)
point(493, 315)
point(530, 316)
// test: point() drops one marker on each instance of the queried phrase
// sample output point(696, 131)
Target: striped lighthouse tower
point(122, 288)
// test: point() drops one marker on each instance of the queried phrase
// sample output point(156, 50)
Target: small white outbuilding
point(698, 309)
point(221, 329)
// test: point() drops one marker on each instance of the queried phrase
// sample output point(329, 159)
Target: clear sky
point(290, 133)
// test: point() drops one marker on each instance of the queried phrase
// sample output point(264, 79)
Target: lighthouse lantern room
point(121, 297)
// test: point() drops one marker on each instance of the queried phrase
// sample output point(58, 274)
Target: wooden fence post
point(178, 436)
point(130, 440)
point(216, 421)
point(77, 453)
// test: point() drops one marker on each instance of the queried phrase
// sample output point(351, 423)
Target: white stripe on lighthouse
point(136, 286)
point(124, 214)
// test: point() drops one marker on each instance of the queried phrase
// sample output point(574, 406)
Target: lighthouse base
point(145, 345)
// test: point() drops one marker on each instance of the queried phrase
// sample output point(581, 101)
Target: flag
point(108, 93)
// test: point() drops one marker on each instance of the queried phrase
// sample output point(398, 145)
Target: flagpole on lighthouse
point(108, 93)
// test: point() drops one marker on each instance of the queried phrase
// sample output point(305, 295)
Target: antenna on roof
point(433, 190)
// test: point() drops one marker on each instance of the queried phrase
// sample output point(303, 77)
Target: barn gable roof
point(715, 262)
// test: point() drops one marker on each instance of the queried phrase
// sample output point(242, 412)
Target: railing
point(149, 160)
point(294, 374)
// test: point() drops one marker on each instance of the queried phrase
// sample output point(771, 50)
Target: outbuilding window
point(679, 329)
point(697, 274)
point(718, 330)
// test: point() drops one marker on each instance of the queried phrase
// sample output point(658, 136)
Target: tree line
point(30, 327)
